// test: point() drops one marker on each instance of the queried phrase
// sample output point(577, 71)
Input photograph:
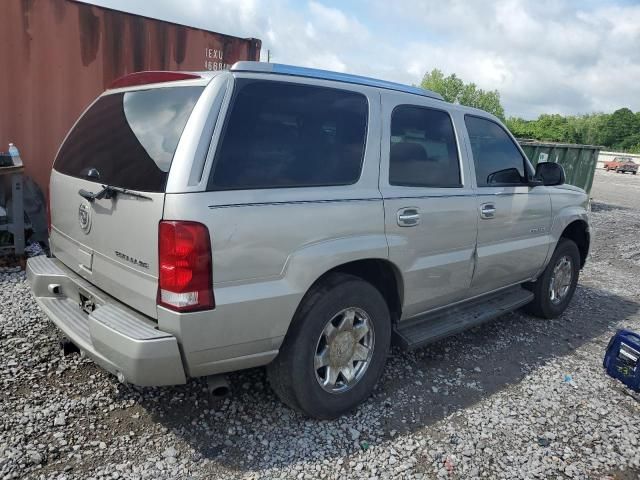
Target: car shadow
point(601, 207)
point(252, 429)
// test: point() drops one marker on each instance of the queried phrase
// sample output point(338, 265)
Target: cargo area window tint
point(288, 135)
point(423, 151)
point(497, 160)
point(129, 138)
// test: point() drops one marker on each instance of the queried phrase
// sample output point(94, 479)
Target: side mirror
point(550, 173)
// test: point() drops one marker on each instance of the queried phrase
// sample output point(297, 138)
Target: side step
point(430, 327)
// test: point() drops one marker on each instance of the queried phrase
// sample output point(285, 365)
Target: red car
point(621, 165)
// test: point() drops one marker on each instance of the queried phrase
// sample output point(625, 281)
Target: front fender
point(568, 204)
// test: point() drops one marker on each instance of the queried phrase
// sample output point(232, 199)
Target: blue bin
point(622, 360)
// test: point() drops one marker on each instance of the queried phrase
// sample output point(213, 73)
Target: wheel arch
point(381, 273)
point(578, 232)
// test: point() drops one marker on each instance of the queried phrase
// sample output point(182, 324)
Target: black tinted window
point(498, 162)
point(423, 150)
point(129, 138)
point(285, 135)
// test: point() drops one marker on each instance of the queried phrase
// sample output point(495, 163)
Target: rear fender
point(309, 263)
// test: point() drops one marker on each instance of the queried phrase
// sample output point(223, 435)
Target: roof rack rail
point(264, 67)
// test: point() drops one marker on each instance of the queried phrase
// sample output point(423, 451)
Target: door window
point(281, 134)
point(497, 160)
point(423, 151)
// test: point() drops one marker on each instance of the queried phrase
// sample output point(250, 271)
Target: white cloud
point(565, 56)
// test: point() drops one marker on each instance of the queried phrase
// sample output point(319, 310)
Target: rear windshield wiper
point(109, 192)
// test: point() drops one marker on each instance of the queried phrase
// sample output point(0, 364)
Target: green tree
point(554, 128)
point(454, 90)
point(521, 128)
point(619, 130)
point(619, 126)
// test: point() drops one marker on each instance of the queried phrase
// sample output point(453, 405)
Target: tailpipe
point(68, 347)
point(218, 386)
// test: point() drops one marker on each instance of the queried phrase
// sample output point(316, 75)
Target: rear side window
point(423, 150)
point(497, 160)
point(129, 138)
point(282, 134)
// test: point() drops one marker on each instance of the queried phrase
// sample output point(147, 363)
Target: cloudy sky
point(544, 56)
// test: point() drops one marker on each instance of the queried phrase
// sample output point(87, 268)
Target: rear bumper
point(117, 338)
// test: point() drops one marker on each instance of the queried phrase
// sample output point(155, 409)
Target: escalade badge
point(84, 216)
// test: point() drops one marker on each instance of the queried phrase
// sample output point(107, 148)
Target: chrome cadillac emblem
point(84, 216)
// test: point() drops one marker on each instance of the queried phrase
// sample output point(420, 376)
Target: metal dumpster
point(579, 161)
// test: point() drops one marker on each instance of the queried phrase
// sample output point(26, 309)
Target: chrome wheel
point(560, 280)
point(344, 350)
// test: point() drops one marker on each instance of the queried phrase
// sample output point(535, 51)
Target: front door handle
point(408, 217)
point(487, 210)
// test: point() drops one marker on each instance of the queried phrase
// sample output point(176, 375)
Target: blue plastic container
point(622, 360)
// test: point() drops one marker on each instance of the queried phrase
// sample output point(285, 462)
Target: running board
point(430, 327)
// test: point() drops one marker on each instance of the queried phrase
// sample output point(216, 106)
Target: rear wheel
point(555, 287)
point(336, 348)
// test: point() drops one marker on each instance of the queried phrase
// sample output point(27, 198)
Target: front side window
point(423, 151)
point(282, 134)
point(497, 160)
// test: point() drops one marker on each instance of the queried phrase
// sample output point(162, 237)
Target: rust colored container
point(58, 55)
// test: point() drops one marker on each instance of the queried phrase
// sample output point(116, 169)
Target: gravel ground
point(516, 398)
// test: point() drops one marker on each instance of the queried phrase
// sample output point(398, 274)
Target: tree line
point(618, 131)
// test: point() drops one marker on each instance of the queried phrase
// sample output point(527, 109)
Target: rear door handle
point(408, 217)
point(487, 210)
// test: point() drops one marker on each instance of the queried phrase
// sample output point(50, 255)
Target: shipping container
point(58, 55)
point(579, 161)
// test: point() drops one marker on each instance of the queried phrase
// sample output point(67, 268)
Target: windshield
point(129, 138)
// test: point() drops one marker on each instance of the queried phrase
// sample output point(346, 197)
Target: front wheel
point(335, 350)
point(555, 287)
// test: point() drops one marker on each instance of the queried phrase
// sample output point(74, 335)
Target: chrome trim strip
point(295, 202)
point(335, 200)
point(418, 197)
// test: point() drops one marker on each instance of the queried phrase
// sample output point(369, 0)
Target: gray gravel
point(517, 398)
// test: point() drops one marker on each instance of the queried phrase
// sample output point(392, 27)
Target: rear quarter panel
point(269, 246)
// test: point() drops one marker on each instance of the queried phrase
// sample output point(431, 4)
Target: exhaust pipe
point(218, 386)
point(68, 347)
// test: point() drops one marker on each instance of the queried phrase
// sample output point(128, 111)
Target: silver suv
point(299, 219)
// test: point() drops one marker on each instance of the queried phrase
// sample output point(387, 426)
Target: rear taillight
point(185, 282)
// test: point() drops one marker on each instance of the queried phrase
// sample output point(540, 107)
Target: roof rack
point(263, 67)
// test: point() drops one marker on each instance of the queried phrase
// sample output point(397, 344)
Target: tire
point(542, 304)
point(633, 173)
point(293, 375)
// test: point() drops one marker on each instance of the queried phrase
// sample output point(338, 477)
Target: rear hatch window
point(128, 139)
